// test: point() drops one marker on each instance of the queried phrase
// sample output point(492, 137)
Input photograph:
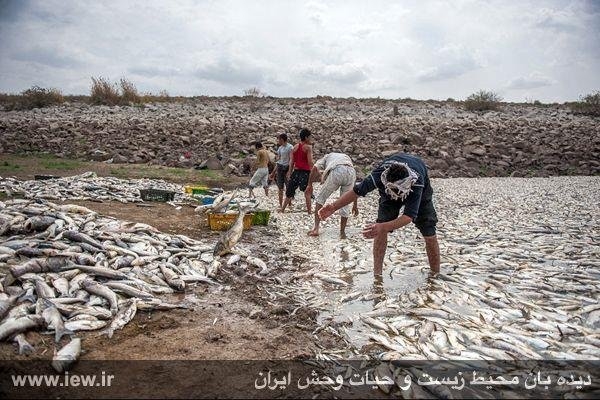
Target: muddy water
point(352, 261)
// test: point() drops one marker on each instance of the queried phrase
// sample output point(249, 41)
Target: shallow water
point(515, 253)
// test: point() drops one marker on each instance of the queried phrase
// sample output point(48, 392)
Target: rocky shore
point(517, 140)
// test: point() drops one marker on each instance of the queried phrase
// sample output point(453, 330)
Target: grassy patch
point(25, 166)
point(7, 166)
point(62, 164)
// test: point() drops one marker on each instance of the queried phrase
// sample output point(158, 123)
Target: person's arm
point(373, 230)
point(311, 177)
point(291, 164)
point(355, 208)
point(327, 210)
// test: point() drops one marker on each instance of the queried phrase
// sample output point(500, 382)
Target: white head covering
point(401, 188)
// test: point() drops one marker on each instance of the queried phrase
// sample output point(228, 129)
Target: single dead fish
point(54, 320)
point(230, 238)
point(24, 346)
point(65, 357)
point(172, 278)
point(19, 325)
point(125, 314)
point(257, 262)
point(93, 287)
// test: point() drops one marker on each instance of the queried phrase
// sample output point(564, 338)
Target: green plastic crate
point(261, 217)
point(157, 195)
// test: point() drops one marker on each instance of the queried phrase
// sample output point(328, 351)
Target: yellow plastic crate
point(222, 221)
point(196, 189)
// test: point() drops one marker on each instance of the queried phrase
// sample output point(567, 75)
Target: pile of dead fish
point(88, 186)
point(520, 273)
point(65, 269)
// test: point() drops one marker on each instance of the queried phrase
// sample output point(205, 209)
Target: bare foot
point(309, 212)
point(314, 232)
point(280, 210)
point(343, 235)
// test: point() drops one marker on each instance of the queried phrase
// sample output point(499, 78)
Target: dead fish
point(100, 290)
point(75, 283)
point(197, 278)
point(42, 289)
point(97, 271)
point(76, 236)
point(65, 357)
point(75, 209)
point(62, 286)
point(221, 203)
point(125, 314)
point(24, 346)
point(257, 262)
point(72, 311)
point(426, 329)
point(6, 305)
point(172, 278)
point(374, 323)
point(38, 223)
point(230, 238)
point(38, 265)
point(331, 279)
point(54, 320)
point(128, 290)
point(350, 297)
point(213, 268)
point(233, 259)
point(85, 325)
point(157, 304)
point(19, 325)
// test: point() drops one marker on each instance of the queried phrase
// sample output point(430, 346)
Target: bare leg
point(250, 192)
point(433, 253)
point(343, 223)
point(315, 230)
point(286, 203)
point(379, 247)
point(280, 198)
point(308, 199)
point(267, 191)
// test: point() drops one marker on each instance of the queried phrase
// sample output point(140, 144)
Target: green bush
point(588, 105)
point(483, 101)
point(34, 97)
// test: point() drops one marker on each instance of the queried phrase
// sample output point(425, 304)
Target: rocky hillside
point(518, 140)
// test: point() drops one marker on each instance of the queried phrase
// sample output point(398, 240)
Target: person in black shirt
point(402, 181)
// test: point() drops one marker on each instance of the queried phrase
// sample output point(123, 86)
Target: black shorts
point(280, 175)
point(299, 179)
point(426, 220)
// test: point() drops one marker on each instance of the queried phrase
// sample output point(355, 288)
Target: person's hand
point(326, 211)
point(355, 210)
point(288, 175)
point(373, 230)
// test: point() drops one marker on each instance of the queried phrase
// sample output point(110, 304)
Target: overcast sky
point(524, 50)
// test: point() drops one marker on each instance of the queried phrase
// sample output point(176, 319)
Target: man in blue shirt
point(284, 152)
point(402, 181)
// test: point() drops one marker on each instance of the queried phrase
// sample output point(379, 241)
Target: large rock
point(212, 163)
